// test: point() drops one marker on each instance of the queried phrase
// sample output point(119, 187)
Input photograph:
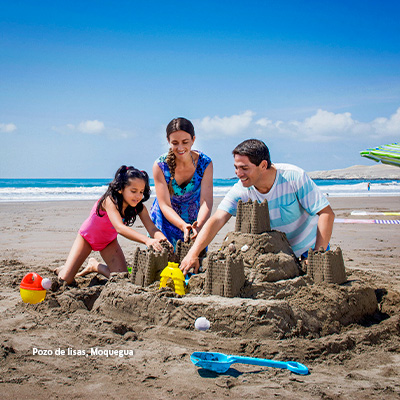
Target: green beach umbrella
point(386, 154)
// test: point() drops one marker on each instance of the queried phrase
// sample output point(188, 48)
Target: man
point(296, 205)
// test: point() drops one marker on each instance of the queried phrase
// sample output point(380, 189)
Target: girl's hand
point(155, 244)
point(171, 248)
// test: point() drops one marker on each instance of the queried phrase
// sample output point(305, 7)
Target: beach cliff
point(378, 171)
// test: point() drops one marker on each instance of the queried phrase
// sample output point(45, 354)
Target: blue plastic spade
point(220, 363)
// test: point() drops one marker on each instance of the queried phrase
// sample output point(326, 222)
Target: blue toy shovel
point(220, 363)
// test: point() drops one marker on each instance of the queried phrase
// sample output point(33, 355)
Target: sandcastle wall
point(326, 266)
point(147, 266)
point(181, 251)
point(252, 217)
point(224, 275)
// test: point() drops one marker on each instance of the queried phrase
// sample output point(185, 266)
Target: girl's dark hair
point(177, 124)
point(121, 180)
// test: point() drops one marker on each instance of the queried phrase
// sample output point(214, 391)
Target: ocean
point(23, 190)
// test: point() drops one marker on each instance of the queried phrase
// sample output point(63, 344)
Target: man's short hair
point(255, 150)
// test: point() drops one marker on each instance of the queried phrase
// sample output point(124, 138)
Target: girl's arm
point(206, 200)
point(156, 235)
point(164, 200)
point(122, 229)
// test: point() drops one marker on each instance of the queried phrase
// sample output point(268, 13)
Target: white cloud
point(387, 126)
point(326, 126)
point(264, 122)
point(91, 127)
point(325, 122)
point(7, 128)
point(229, 126)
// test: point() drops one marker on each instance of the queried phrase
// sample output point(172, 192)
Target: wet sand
point(361, 361)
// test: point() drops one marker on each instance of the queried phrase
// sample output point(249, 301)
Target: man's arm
point(324, 228)
point(206, 235)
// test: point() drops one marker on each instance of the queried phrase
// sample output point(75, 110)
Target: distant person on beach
point(296, 205)
point(112, 215)
point(183, 180)
point(369, 186)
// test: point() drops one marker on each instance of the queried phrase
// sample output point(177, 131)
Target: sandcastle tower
point(182, 249)
point(252, 217)
point(326, 266)
point(147, 266)
point(224, 275)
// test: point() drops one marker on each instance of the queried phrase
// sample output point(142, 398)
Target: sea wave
point(51, 193)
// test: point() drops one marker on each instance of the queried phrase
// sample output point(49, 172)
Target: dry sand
point(353, 361)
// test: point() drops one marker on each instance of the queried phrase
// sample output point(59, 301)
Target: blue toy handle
point(292, 366)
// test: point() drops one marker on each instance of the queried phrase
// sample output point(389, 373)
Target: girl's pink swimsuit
point(98, 231)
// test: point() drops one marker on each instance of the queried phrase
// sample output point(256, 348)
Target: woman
point(183, 179)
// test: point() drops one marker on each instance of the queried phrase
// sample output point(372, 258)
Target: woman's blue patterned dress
point(185, 201)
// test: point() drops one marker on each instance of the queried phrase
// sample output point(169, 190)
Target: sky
point(87, 86)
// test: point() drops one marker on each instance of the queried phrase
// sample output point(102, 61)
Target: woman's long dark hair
point(121, 180)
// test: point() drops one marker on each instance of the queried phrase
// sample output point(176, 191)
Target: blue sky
point(88, 86)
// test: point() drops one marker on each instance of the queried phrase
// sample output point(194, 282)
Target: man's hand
point(188, 263)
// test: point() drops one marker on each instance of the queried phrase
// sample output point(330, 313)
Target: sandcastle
point(253, 253)
point(252, 217)
point(224, 274)
point(148, 264)
point(253, 286)
point(326, 266)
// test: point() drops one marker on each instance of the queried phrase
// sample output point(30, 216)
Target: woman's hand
point(186, 229)
point(195, 230)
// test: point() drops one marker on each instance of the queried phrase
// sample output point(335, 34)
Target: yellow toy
point(172, 271)
point(33, 288)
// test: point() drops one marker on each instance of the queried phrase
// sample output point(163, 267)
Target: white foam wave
point(12, 194)
point(361, 190)
point(51, 193)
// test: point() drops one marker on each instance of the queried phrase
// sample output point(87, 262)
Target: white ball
point(46, 283)
point(202, 324)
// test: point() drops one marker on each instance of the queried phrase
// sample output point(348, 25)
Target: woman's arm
point(164, 200)
point(121, 228)
point(206, 200)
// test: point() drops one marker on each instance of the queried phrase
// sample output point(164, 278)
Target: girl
point(112, 214)
point(183, 179)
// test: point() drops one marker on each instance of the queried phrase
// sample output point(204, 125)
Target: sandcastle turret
point(252, 217)
point(182, 249)
point(224, 274)
point(147, 266)
point(326, 266)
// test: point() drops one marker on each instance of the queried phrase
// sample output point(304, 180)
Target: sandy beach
point(358, 361)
